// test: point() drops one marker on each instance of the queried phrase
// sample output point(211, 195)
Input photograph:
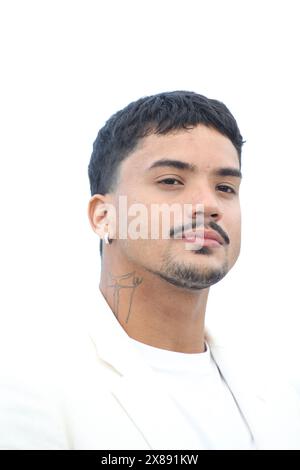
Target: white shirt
point(199, 391)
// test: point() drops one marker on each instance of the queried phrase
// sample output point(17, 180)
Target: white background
point(66, 66)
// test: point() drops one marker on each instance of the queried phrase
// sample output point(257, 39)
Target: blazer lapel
point(270, 409)
point(137, 388)
point(155, 414)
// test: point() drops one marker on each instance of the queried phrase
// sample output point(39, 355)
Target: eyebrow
point(181, 165)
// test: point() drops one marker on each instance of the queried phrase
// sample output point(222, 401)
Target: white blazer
point(95, 391)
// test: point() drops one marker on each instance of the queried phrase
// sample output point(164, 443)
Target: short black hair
point(156, 114)
point(159, 114)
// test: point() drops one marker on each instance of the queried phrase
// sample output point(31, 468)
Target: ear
point(99, 214)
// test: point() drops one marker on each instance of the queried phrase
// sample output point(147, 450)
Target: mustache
point(193, 226)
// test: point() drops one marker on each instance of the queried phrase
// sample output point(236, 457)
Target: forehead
point(201, 146)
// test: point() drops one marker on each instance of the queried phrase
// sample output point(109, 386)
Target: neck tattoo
point(123, 282)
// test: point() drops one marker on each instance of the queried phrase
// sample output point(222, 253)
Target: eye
point(227, 189)
point(170, 182)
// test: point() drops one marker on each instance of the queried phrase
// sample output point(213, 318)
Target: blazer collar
point(137, 387)
point(268, 402)
point(274, 422)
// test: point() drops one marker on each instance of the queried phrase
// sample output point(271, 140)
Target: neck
point(152, 310)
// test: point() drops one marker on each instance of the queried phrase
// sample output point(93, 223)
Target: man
point(149, 377)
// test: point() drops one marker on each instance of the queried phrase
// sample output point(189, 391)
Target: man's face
point(206, 151)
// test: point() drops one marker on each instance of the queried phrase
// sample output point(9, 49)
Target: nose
point(209, 206)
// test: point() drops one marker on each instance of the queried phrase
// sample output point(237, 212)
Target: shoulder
point(40, 382)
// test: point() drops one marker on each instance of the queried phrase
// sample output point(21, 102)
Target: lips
point(192, 237)
point(208, 238)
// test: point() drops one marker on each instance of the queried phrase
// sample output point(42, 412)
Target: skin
point(157, 289)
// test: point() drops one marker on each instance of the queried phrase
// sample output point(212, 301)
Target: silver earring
point(107, 240)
